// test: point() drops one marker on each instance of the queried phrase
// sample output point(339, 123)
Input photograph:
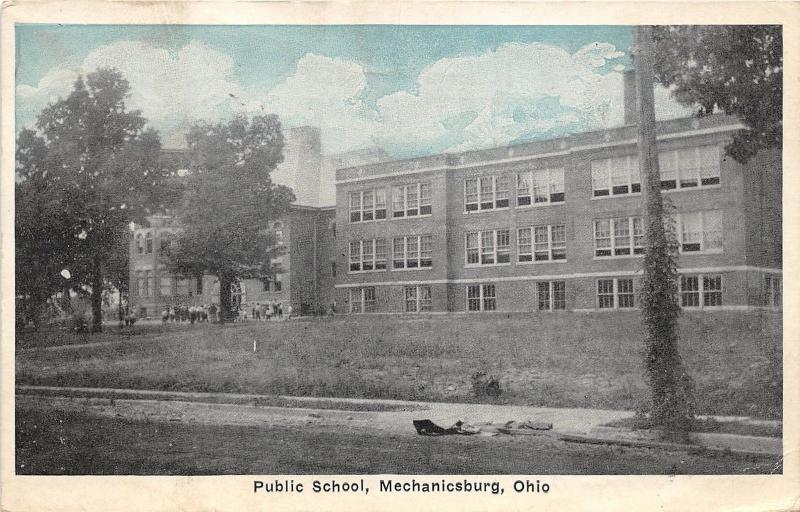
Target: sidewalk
point(391, 416)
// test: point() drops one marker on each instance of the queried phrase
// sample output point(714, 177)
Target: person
point(204, 313)
point(212, 311)
point(164, 315)
point(280, 310)
point(172, 313)
point(289, 311)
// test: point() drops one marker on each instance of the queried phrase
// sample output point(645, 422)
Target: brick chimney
point(631, 114)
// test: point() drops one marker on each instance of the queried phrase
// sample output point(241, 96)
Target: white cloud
point(504, 94)
point(171, 88)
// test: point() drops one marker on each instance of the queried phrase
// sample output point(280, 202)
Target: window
point(700, 291)
point(165, 243)
point(552, 295)
point(486, 193)
point(367, 205)
point(772, 291)
point(182, 287)
point(481, 297)
point(165, 283)
point(412, 200)
point(615, 294)
point(488, 247)
point(418, 299)
point(151, 288)
point(542, 243)
point(411, 252)
point(278, 285)
point(689, 168)
point(362, 300)
point(616, 176)
point(542, 186)
point(622, 236)
point(368, 255)
point(139, 244)
point(141, 284)
point(148, 240)
point(277, 229)
point(700, 231)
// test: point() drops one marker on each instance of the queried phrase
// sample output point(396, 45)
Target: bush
point(485, 385)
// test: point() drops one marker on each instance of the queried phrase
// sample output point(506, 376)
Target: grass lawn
point(560, 360)
point(53, 442)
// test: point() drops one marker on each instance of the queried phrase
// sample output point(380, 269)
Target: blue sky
point(412, 90)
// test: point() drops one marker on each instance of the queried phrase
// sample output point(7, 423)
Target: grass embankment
point(574, 360)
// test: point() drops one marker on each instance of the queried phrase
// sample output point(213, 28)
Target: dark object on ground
point(428, 428)
point(485, 385)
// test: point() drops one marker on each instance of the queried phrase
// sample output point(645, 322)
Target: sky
point(411, 90)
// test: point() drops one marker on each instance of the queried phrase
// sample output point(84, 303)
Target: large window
point(552, 295)
point(139, 244)
point(689, 168)
point(542, 186)
point(367, 205)
point(616, 176)
point(481, 297)
point(701, 291)
point(148, 241)
point(165, 243)
point(412, 200)
point(417, 299)
point(414, 251)
point(486, 193)
point(141, 284)
point(488, 247)
point(622, 236)
point(699, 231)
point(368, 255)
point(151, 284)
point(772, 291)
point(542, 243)
point(165, 283)
point(362, 300)
point(615, 294)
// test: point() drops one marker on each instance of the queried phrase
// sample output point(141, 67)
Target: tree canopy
point(88, 169)
point(229, 203)
point(737, 69)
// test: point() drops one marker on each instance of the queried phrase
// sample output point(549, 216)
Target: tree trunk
point(97, 296)
point(225, 313)
point(670, 385)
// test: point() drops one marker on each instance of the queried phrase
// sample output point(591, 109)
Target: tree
point(230, 201)
point(669, 383)
point(86, 172)
point(737, 69)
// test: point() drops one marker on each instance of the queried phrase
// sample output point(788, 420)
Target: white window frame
point(552, 190)
point(615, 293)
point(677, 159)
point(165, 280)
point(400, 206)
point(483, 296)
point(359, 296)
point(374, 260)
point(495, 252)
point(494, 196)
point(613, 238)
point(531, 230)
point(606, 165)
point(701, 290)
point(361, 210)
point(420, 304)
point(551, 301)
point(423, 260)
point(679, 221)
point(773, 291)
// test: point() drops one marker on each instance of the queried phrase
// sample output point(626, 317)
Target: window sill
point(688, 189)
point(616, 196)
point(621, 257)
point(487, 265)
point(700, 253)
point(366, 271)
point(367, 221)
point(539, 205)
point(427, 215)
point(540, 262)
point(411, 269)
point(473, 212)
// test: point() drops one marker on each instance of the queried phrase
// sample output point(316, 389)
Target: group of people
point(191, 314)
point(263, 312)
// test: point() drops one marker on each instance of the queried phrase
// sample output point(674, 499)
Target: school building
point(558, 224)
